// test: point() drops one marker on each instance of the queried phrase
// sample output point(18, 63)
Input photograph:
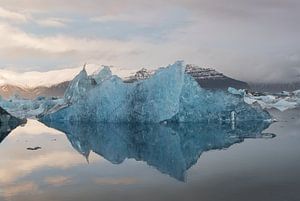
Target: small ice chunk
point(234, 91)
point(283, 105)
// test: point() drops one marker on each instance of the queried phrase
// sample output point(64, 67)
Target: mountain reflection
point(171, 148)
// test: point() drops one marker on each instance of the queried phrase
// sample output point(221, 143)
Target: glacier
point(169, 95)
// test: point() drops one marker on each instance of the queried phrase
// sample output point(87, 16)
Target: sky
point(255, 40)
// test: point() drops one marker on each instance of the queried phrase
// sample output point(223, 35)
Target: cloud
point(113, 18)
point(14, 37)
point(249, 40)
point(12, 16)
point(52, 22)
point(20, 167)
point(17, 189)
point(57, 180)
point(116, 181)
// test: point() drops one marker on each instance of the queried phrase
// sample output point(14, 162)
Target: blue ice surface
point(170, 95)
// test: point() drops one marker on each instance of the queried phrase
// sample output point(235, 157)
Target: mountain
point(7, 91)
point(54, 90)
point(209, 78)
point(139, 75)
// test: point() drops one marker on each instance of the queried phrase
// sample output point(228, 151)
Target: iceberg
point(234, 91)
point(83, 83)
point(78, 87)
point(102, 75)
point(24, 108)
point(169, 95)
point(280, 101)
point(283, 105)
point(297, 93)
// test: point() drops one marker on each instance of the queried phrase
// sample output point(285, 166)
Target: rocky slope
point(7, 91)
point(209, 78)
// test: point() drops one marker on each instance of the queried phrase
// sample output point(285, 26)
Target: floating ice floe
point(169, 95)
point(297, 93)
point(281, 101)
point(24, 108)
point(234, 91)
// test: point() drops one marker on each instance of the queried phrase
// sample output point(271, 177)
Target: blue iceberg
point(170, 95)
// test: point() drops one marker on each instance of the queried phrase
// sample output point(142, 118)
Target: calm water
point(248, 161)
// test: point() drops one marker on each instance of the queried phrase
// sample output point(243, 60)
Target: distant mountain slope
point(211, 79)
point(7, 91)
point(54, 90)
point(206, 77)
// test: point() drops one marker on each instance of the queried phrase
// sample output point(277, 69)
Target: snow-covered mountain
point(35, 79)
point(7, 90)
point(139, 75)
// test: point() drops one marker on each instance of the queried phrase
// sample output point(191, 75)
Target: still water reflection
point(172, 149)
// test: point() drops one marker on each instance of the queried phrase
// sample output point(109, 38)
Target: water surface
point(152, 162)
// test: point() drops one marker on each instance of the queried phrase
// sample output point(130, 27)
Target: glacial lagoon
point(212, 161)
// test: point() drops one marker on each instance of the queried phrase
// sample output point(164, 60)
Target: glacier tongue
point(168, 95)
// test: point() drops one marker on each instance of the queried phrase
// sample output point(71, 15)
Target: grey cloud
point(253, 40)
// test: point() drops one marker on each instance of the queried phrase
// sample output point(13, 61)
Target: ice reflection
point(172, 148)
point(5, 129)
